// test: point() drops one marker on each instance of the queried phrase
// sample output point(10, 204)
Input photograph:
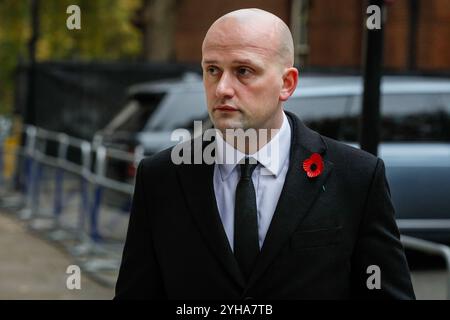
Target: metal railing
point(87, 247)
point(430, 248)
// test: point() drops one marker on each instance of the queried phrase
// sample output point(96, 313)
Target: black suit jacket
point(324, 234)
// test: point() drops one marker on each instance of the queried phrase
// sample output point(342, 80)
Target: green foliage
point(106, 34)
point(13, 36)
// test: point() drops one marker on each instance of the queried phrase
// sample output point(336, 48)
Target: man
point(312, 219)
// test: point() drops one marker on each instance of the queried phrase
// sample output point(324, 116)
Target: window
point(414, 117)
point(134, 117)
point(405, 117)
point(178, 110)
point(326, 115)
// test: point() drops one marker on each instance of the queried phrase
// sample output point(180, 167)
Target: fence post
point(2, 179)
point(100, 170)
point(5, 126)
point(85, 179)
point(63, 141)
point(37, 175)
point(29, 162)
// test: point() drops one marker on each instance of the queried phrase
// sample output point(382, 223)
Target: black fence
point(80, 98)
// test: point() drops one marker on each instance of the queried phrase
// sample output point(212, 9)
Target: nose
point(224, 89)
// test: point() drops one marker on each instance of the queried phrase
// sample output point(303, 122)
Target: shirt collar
point(272, 156)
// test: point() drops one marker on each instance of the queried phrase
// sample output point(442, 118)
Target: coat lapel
point(202, 204)
point(298, 192)
point(297, 197)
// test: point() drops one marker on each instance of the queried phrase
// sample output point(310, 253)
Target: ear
point(290, 80)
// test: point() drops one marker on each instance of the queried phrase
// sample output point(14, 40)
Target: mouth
point(225, 108)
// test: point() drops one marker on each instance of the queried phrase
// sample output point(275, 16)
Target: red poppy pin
point(313, 165)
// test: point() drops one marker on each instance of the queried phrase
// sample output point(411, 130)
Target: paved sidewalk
point(430, 284)
point(33, 268)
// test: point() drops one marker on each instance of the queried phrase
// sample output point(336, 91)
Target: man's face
point(242, 78)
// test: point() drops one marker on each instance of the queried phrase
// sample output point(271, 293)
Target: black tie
point(246, 243)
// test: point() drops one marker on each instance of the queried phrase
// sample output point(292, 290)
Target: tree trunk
point(157, 20)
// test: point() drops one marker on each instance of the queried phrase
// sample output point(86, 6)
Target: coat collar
point(298, 192)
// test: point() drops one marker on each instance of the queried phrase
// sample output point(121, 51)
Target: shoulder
point(158, 164)
point(168, 160)
point(158, 160)
point(339, 150)
point(350, 160)
point(344, 157)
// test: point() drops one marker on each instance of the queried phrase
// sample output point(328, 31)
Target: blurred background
point(79, 108)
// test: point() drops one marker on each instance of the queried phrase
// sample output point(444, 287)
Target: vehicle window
point(134, 117)
point(179, 110)
point(414, 117)
point(446, 121)
point(325, 115)
point(405, 117)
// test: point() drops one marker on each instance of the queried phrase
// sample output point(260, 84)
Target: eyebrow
point(238, 61)
point(209, 62)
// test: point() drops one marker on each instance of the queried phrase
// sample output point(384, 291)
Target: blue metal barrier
point(5, 126)
point(36, 177)
point(91, 187)
point(58, 199)
point(2, 179)
point(95, 234)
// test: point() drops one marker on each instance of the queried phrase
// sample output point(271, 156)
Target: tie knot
point(247, 167)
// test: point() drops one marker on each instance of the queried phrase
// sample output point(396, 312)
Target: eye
point(243, 71)
point(212, 70)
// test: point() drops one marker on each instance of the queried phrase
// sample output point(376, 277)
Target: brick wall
point(196, 16)
point(335, 34)
point(396, 35)
point(434, 35)
point(335, 31)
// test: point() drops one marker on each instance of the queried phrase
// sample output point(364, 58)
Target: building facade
point(330, 34)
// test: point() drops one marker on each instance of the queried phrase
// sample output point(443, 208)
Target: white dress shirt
point(268, 179)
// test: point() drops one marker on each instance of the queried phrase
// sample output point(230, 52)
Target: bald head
point(255, 28)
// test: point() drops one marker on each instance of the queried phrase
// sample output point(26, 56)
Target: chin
point(223, 124)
